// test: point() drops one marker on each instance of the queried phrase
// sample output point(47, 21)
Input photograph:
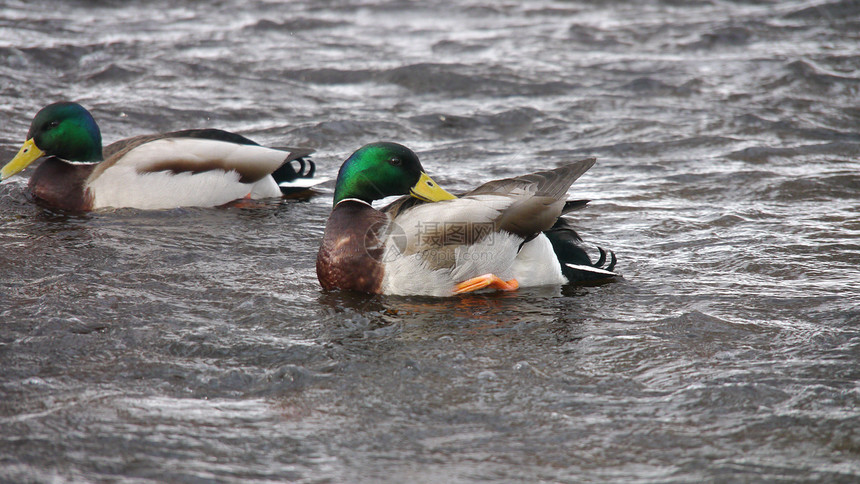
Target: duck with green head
point(504, 234)
point(197, 167)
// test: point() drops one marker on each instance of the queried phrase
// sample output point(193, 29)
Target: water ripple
point(195, 344)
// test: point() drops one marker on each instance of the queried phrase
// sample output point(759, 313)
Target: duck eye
point(52, 124)
point(395, 162)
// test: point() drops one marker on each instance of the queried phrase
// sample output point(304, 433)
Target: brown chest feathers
point(351, 252)
point(62, 185)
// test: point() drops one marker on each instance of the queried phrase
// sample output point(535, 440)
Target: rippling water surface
point(194, 345)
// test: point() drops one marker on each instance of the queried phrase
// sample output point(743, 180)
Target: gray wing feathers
point(549, 183)
point(538, 198)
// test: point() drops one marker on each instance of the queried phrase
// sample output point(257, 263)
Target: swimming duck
point(197, 167)
point(502, 235)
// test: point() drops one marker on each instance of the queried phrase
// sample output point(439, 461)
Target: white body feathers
point(130, 182)
point(412, 260)
point(534, 265)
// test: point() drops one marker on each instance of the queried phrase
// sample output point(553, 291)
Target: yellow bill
point(26, 155)
point(429, 191)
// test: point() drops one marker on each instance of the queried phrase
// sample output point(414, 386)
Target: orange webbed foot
point(487, 280)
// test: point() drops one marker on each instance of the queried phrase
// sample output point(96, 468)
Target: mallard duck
point(502, 235)
point(197, 167)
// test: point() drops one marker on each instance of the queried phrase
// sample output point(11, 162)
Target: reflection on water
point(195, 344)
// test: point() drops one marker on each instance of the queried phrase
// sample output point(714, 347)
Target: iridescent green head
point(383, 169)
point(65, 130)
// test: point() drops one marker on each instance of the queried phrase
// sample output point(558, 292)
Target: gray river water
point(195, 345)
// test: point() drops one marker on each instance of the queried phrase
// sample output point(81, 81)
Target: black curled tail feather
point(576, 265)
point(287, 172)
